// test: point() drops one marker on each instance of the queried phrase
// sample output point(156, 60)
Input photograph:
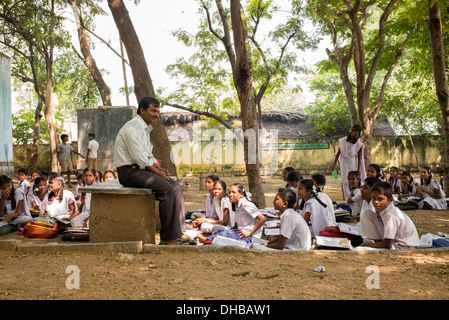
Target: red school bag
point(40, 228)
point(334, 232)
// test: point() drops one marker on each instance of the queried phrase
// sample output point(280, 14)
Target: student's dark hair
point(36, 171)
point(371, 181)
point(6, 179)
point(309, 185)
point(319, 179)
point(241, 190)
point(288, 195)
point(24, 171)
point(377, 168)
point(356, 174)
point(80, 176)
point(383, 188)
point(146, 102)
point(110, 171)
point(91, 135)
point(63, 136)
point(99, 173)
point(90, 169)
point(44, 173)
point(213, 177)
point(293, 176)
point(430, 175)
point(288, 169)
point(36, 183)
point(395, 168)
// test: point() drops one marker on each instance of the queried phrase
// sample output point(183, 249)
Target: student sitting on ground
point(109, 175)
point(210, 208)
point(285, 173)
point(394, 180)
point(225, 215)
point(430, 191)
point(312, 209)
point(13, 206)
point(320, 182)
point(37, 194)
point(80, 217)
point(387, 226)
point(24, 185)
point(294, 233)
point(293, 179)
point(58, 202)
point(375, 171)
point(355, 197)
point(365, 191)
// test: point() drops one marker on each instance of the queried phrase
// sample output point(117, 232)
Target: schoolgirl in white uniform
point(58, 202)
point(247, 216)
point(433, 196)
point(13, 204)
point(312, 209)
point(224, 219)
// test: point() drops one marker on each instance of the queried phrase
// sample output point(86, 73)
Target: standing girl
point(430, 191)
point(350, 154)
point(247, 216)
point(58, 202)
point(13, 205)
point(80, 217)
point(312, 209)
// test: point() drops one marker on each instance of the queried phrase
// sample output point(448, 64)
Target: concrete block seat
point(119, 214)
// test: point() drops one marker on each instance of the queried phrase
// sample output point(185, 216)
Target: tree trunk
point(439, 71)
point(48, 112)
point(89, 61)
point(143, 85)
point(36, 140)
point(242, 72)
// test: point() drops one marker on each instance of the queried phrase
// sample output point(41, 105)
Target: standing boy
point(387, 225)
point(92, 150)
point(64, 151)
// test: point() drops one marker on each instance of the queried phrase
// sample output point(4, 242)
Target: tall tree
point(439, 71)
point(143, 85)
point(372, 52)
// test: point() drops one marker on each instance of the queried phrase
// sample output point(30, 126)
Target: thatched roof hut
point(290, 124)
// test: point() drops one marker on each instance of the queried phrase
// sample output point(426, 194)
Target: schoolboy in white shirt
point(387, 225)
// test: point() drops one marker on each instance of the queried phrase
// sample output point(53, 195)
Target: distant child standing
point(13, 205)
point(294, 233)
point(312, 209)
point(387, 226)
point(64, 151)
point(92, 151)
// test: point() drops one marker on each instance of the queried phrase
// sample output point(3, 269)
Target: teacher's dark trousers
point(168, 193)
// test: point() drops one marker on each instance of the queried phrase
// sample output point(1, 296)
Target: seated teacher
point(137, 168)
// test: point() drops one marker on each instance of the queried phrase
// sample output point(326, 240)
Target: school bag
point(75, 234)
point(334, 232)
point(40, 228)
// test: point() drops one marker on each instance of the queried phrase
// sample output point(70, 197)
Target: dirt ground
point(402, 275)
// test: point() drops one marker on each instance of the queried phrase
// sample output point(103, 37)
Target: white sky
point(154, 20)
